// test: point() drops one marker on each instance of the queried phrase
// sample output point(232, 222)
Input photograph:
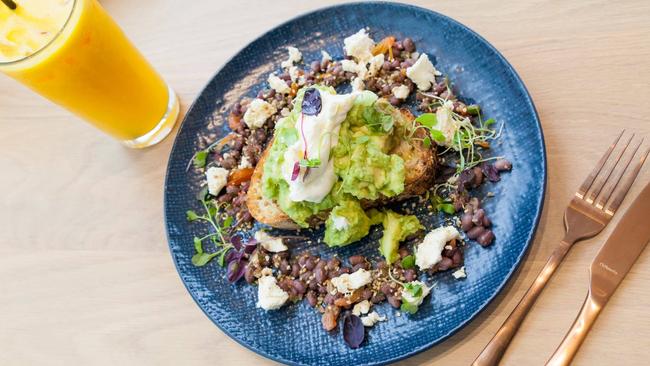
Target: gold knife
point(608, 269)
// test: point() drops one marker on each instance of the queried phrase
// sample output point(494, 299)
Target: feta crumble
point(245, 163)
point(356, 68)
point(347, 282)
point(401, 92)
point(325, 57)
point(270, 243)
point(293, 73)
point(359, 46)
point(294, 57)
point(446, 124)
point(429, 252)
point(269, 295)
point(362, 307)
point(422, 73)
point(258, 112)
point(375, 64)
point(358, 85)
point(217, 178)
point(371, 319)
point(278, 84)
point(459, 273)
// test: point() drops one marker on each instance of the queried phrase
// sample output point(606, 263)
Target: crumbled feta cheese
point(358, 85)
point(266, 271)
point(347, 282)
point(339, 222)
point(294, 57)
point(356, 68)
point(269, 295)
point(284, 112)
point(459, 273)
point(278, 84)
point(422, 73)
point(415, 300)
point(245, 163)
point(362, 307)
point(258, 112)
point(372, 318)
point(326, 57)
point(375, 64)
point(429, 252)
point(401, 92)
point(270, 243)
point(359, 46)
point(217, 178)
point(447, 125)
point(293, 73)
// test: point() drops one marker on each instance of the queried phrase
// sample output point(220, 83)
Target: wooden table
point(85, 273)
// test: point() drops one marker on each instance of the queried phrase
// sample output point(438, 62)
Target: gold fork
point(587, 215)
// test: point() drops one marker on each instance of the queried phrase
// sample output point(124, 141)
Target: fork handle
point(492, 353)
point(573, 340)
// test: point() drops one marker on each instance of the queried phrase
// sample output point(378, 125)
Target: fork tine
point(608, 171)
point(616, 202)
point(594, 173)
point(611, 186)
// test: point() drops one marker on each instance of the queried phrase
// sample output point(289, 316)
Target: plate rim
point(509, 276)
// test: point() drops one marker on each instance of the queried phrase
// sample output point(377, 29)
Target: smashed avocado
point(396, 228)
point(363, 165)
point(346, 224)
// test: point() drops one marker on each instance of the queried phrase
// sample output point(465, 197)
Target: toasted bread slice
point(419, 166)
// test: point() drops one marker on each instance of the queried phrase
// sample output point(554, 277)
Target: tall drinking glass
point(74, 54)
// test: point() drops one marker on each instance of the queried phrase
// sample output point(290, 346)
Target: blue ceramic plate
point(293, 335)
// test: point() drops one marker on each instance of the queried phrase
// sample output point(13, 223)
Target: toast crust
point(419, 165)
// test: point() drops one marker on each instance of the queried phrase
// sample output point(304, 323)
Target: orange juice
point(73, 53)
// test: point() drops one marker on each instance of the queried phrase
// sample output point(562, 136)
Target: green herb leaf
point(489, 122)
point(408, 262)
point(221, 259)
point(200, 159)
point(474, 109)
point(212, 210)
point(201, 259)
point(427, 119)
point(438, 135)
point(414, 289)
point(227, 222)
point(191, 215)
point(376, 120)
point(426, 142)
point(309, 163)
point(408, 308)
point(200, 195)
point(446, 207)
point(387, 123)
point(198, 245)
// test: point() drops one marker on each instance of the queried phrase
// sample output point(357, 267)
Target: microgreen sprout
point(218, 237)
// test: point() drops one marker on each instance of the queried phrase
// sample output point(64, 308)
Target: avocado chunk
point(346, 224)
point(396, 228)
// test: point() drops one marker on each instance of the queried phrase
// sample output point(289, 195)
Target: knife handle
point(577, 334)
point(492, 353)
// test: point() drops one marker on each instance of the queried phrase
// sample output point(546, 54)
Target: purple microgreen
point(353, 331)
point(232, 255)
point(296, 171)
point(236, 242)
point(249, 247)
point(465, 179)
point(312, 102)
point(490, 172)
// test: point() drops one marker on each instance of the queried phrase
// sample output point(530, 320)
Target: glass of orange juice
point(74, 54)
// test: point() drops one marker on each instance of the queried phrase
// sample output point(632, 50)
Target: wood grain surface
point(85, 273)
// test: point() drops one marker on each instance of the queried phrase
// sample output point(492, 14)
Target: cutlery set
point(590, 210)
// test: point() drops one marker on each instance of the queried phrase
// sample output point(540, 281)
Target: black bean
point(478, 216)
point(466, 222)
point(310, 264)
point(486, 238)
point(320, 274)
point(385, 89)
point(409, 45)
point(377, 298)
point(410, 275)
point(366, 294)
point(445, 264)
point(475, 232)
point(343, 270)
point(478, 176)
point(398, 46)
point(386, 66)
point(395, 64)
point(329, 299)
point(403, 252)
point(387, 289)
point(285, 268)
point(312, 299)
point(299, 286)
point(394, 301)
point(486, 221)
point(502, 165)
point(364, 265)
point(333, 264)
point(394, 101)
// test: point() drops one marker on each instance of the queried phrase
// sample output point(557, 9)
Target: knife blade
point(622, 248)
